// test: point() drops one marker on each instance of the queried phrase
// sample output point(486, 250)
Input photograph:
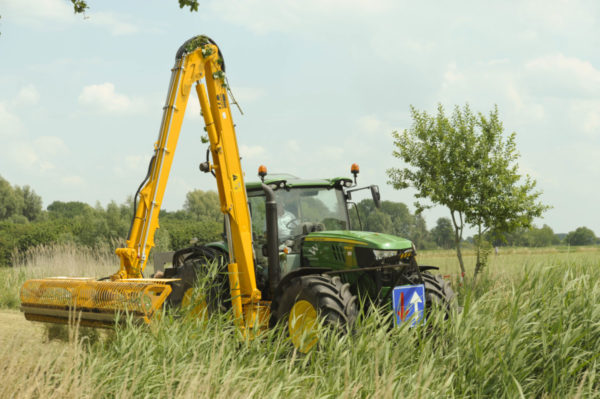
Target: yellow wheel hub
point(198, 306)
point(302, 325)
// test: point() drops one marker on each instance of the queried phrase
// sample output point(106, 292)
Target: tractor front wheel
point(307, 299)
point(438, 293)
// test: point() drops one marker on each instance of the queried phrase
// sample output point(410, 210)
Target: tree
point(465, 164)
point(203, 205)
point(32, 203)
point(581, 236)
point(11, 203)
point(443, 234)
point(379, 222)
point(80, 6)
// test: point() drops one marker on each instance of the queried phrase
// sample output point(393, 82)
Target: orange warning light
point(354, 169)
point(262, 172)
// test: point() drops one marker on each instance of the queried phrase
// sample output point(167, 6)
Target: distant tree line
point(24, 224)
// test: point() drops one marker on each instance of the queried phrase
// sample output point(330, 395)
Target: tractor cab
point(314, 228)
point(303, 207)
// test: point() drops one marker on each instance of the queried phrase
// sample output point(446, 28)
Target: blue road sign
point(409, 304)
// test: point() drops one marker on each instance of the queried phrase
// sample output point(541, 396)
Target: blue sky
point(322, 84)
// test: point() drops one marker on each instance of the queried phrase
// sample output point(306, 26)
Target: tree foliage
point(81, 6)
point(443, 233)
point(203, 205)
point(392, 218)
point(581, 236)
point(467, 165)
point(526, 237)
point(20, 204)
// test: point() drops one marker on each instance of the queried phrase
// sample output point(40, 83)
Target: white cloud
point(131, 165)
point(266, 16)
point(50, 145)
point(192, 110)
point(58, 14)
point(10, 124)
point(38, 12)
point(72, 180)
point(560, 76)
point(36, 154)
point(28, 95)
point(292, 146)
point(115, 24)
point(586, 115)
point(247, 94)
point(452, 75)
point(252, 152)
point(372, 125)
point(19, 149)
point(103, 98)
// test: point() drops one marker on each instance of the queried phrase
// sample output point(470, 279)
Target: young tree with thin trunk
point(466, 164)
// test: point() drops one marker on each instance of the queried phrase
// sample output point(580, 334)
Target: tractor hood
point(360, 238)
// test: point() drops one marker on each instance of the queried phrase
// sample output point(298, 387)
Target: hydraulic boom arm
point(198, 58)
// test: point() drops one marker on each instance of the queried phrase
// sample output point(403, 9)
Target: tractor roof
point(292, 181)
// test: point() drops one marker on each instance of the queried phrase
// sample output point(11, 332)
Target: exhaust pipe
point(272, 239)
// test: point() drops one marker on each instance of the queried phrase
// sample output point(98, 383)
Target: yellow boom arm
point(198, 59)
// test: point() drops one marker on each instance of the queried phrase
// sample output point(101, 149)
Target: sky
point(322, 84)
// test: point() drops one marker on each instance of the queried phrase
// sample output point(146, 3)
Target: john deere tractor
point(311, 262)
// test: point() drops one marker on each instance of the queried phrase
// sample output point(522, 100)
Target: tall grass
point(54, 260)
point(528, 329)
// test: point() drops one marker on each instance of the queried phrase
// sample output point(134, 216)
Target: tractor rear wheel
point(307, 299)
point(190, 272)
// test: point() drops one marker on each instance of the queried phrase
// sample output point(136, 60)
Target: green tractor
point(310, 261)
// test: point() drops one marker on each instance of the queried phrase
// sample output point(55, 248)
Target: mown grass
point(529, 328)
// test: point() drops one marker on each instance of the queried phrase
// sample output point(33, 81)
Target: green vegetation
point(25, 225)
point(467, 165)
point(530, 328)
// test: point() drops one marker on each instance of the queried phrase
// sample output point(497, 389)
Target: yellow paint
point(302, 326)
point(199, 307)
point(349, 252)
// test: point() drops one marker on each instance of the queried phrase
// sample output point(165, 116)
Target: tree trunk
point(478, 261)
point(457, 238)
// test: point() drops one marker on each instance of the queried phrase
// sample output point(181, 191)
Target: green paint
point(365, 238)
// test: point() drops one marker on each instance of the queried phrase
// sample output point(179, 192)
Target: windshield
point(301, 210)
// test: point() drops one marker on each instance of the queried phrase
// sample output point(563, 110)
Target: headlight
point(381, 254)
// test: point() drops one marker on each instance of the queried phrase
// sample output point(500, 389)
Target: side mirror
point(376, 196)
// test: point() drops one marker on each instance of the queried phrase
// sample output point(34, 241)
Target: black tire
point(194, 268)
point(332, 300)
point(438, 294)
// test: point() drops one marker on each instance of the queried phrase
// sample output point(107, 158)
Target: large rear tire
point(191, 272)
point(306, 299)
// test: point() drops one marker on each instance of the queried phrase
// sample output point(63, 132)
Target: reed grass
point(530, 327)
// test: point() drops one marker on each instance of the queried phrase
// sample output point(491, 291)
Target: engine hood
point(360, 238)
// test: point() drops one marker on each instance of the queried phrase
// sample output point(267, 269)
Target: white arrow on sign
point(414, 301)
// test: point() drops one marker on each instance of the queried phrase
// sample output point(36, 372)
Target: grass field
point(529, 328)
